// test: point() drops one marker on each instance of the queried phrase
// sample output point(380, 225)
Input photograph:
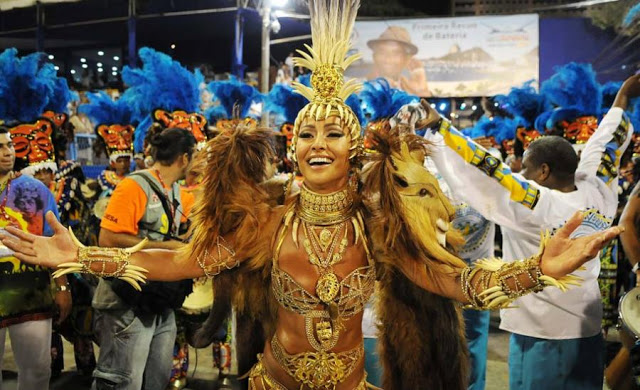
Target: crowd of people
point(342, 245)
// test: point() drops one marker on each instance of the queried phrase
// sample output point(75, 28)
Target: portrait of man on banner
point(394, 59)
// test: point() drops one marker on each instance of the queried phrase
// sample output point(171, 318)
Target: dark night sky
point(440, 7)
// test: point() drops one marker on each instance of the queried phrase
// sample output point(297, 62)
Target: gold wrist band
point(509, 285)
point(219, 264)
point(112, 263)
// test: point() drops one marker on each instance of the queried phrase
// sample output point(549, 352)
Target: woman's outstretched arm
point(156, 264)
point(494, 284)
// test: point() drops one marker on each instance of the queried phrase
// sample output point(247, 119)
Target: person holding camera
point(137, 329)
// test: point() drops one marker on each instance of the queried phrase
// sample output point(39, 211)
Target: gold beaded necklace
point(324, 223)
point(325, 211)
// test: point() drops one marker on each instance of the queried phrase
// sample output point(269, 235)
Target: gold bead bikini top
point(345, 297)
point(354, 292)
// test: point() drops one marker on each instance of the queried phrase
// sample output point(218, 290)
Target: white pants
point(31, 345)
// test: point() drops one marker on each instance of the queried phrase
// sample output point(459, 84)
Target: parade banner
point(449, 57)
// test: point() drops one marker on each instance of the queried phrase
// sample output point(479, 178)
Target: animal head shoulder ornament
point(331, 26)
point(411, 212)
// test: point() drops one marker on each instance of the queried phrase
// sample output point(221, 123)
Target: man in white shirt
point(556, 341)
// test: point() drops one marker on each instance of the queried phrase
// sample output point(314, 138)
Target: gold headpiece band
point(331, 26)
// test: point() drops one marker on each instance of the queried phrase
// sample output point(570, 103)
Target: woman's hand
point(38, 250)
point(563, 254)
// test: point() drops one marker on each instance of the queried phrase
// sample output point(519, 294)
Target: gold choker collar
point(324, 209)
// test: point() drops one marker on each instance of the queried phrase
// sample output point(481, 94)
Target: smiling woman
point(299, 274)
point(322, 154)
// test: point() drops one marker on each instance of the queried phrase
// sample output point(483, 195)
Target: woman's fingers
point(54, 223)
point(25, 236)
point(27, 258)
point(571, 225)
point(18, 246)
point(597, 242)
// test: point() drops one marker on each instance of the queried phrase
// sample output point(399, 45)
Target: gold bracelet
point(119, 257)
point(500, 296)
point(218, 265)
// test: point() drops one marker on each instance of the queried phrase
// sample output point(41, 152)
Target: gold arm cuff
point(111, 263)
point(509, 285)
point(218, 264)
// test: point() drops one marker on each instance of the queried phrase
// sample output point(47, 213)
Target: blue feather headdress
point(161, 83)
point(62, 95)
point(28, 85)
point(229, 94)
point(112, 117)
point(632, 15)
point(542, 122)
point(500, 128)
point(102, 109)
point(577, 96)
point(609, 92)
point(524, 103)
point(284, 102)
point(574, 86)
point(380, 101)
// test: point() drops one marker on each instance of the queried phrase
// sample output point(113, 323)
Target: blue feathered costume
point(382, 108)
point(577, 98)
point(163, 92)
point(113, 126)
point(232, 99)
point(525, 105)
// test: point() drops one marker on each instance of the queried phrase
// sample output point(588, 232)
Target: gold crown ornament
point(331, 26)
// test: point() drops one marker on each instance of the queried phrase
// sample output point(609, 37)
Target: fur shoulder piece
point(432, 330)
point(408, 223)
point(409, 215)
point(231, 200)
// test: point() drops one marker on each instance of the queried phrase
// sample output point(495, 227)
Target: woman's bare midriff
point(290, 331)
point(290, 326)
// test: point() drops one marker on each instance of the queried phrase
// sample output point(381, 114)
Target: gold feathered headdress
point(331, 26)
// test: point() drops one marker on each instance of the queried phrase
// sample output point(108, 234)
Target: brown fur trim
point(231, 201)
point(421, 343)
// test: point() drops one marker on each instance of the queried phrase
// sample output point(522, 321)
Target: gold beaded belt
point(318, 370)
point(259, 374)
